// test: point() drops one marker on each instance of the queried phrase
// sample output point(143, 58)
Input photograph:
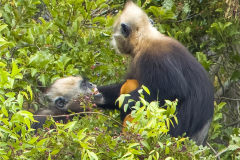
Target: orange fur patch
point(126, 88)
point(129, 86)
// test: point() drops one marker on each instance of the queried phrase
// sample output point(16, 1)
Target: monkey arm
point(107, 96)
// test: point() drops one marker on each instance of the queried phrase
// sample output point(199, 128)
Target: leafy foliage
point(41, 41)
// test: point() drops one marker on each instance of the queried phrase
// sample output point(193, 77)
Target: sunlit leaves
point(2, 27)
point(161, 12)
point(203, 60)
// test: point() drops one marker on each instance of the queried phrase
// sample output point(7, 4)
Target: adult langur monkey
point(169, 71)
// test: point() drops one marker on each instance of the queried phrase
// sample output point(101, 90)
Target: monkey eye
point(151, 21)
point(90, 85)
point(60, 102)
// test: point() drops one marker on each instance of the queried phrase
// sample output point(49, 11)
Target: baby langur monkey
point(62, 97)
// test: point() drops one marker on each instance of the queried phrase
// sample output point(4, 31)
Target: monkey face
point(130, 28)
point(64, 93)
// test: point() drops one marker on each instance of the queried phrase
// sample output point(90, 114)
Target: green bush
point(41, 41)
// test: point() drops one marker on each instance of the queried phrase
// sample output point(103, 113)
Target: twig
point(220, 82)
point(96, 52)
point(218, 157)
point(92, 27)
point(226, 86)
point(230, 99)
point(221, 152)
point(232, 124)
point(186, 18)
point(37, 47)
point(79, 114)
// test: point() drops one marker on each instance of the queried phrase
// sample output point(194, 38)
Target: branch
point(221, 152)
point(232, 124)
point(79, 114)
point(225, 87)
point(218, 157)
point(232, 99)
point(214, 69)
point(186, 18)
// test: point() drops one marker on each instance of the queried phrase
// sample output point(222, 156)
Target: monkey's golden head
point(130, 29)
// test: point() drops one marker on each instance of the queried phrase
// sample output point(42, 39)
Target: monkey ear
point(125, 30)
point(83, 84)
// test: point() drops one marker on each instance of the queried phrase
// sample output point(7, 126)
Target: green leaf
point(70, 125)
point(2, 64)
point(43, 21)
point(104, 6)
point(220, 106)
point(145, 144)
point(10, 94)
point(233, 147)
point(25, 113)
point(4, 111)
point(125, 107)
point(34, 71)
point(154, 10)
point(60, 65)
point(5, 130)
point(54, 78)
point(3, 42)
point(131, 145)
point(2, 98)
point(27, 122)
point(143, 101)
point(216, 26)
point(167, 150)
point(150, 157)
point(188, 30)
point(34, 58)
point(168, 15)
point(33, 140)
point(127, 154)
point(43, 79)
point(20, 100)
point(204, 43)
point(146, 89)
point(64, 59)
point(137, 118)
point(102, 20)
point(49, 156)
point(3, 26)
point(168, 102)
point(226, 25)
point(221, 45)
point(236, 58)
point(219, 10)
point(121, 99)
point(4, 77)
point(40, 143)
point(29, 89)
point(92, 155)
point(235, 76)
point(55, 151)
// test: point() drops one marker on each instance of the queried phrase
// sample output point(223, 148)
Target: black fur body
point(169, 71)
